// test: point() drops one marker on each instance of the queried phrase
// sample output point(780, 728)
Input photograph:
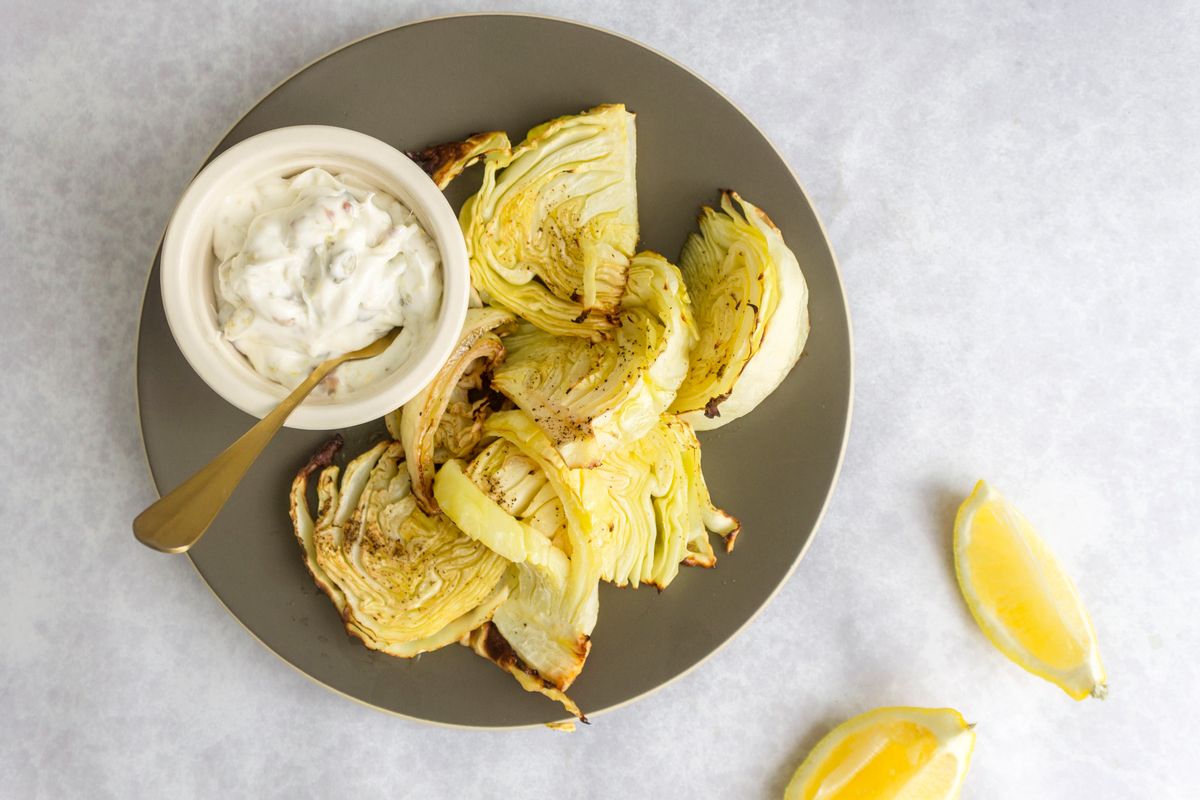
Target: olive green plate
point(438, 80)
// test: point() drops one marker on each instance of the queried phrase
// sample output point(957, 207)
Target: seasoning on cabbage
point(403, 582)
point(552, 228)
point(751, 305)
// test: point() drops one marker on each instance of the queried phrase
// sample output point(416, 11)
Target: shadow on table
point(804, 745)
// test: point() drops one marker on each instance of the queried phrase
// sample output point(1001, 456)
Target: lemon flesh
point(888, 754)
point(1020, 596)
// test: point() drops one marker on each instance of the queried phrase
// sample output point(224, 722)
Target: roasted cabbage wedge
point(594, 397)
point(657, 510)
point(404, 583)
point(751, 305)
point(650, 507)
point(649, 504)
point(549, 616)
point(445, 162)
point(445, 419)
point(554, 225)
point(516, 483)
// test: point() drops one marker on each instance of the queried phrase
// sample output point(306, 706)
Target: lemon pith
point(1022, 599)
point(888, 754)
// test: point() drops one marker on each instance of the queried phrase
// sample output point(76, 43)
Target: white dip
point(315, 266)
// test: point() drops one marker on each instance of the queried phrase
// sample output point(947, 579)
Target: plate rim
point(841, 457)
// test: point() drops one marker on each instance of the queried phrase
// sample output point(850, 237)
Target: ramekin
point(188, 264)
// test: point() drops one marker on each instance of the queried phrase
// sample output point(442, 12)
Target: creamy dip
point(317, 265)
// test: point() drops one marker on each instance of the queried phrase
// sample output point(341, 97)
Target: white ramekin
point(188, 264)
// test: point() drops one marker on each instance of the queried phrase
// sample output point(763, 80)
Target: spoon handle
point(179, 518)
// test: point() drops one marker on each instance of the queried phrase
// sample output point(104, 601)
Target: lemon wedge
point(888, 754)
point(1020, 596)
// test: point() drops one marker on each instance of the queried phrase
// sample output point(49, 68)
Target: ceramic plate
point(439, 80)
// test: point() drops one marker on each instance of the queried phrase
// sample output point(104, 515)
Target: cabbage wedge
point(518, 485)
point(552, 228)
point(445, 162)
point(549, 616)
point(403, 582)
point(751, 305)
point(592, 398)
point(658, 511)
point(650, 508)
point(444, 420)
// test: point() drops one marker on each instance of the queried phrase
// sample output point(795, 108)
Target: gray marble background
point(1013, 193)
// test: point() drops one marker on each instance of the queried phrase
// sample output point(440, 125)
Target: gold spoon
point(180, 518)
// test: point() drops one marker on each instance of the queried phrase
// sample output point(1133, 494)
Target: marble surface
point(1013, 196)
